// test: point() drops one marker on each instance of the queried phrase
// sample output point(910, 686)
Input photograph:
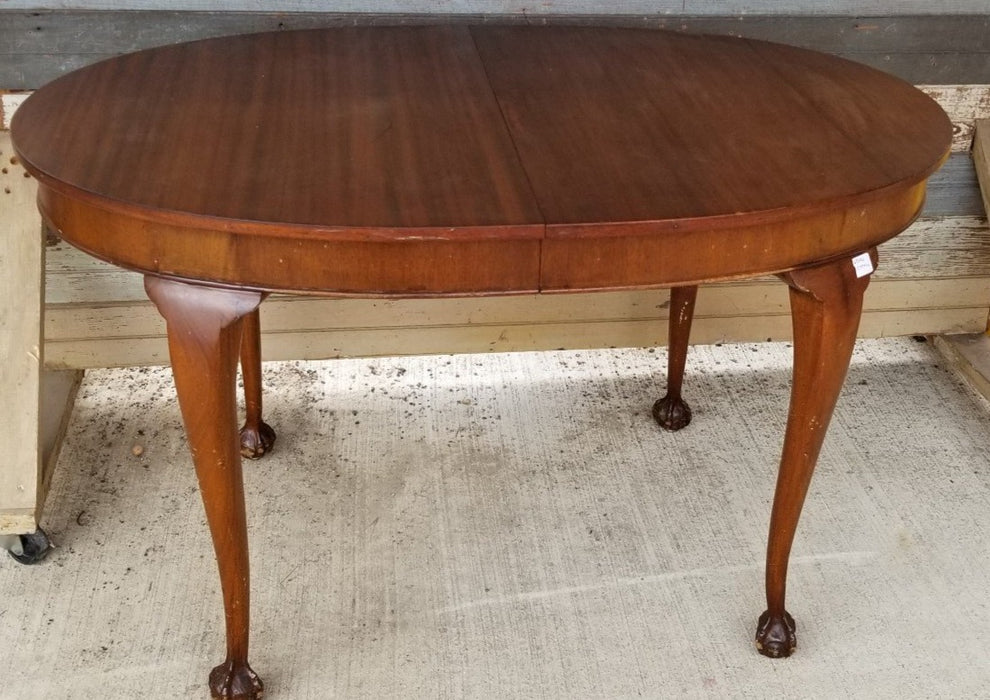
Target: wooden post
point(21, 304)
point(34, 404)
point(981, 159)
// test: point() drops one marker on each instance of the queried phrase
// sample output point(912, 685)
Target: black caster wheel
point(32, 548)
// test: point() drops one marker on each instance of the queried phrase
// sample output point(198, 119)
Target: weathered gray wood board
point(953, 190)
point(944, 48)
point(549, 7)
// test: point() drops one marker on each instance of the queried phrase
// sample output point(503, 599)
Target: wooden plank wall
point(944, 49)
point(935, 278)
point(529, 8)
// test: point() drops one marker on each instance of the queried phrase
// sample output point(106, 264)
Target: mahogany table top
point(474, 160)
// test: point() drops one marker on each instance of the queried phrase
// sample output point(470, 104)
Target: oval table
point(454, 160)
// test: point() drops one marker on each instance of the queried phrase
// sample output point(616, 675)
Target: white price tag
point(863, 264)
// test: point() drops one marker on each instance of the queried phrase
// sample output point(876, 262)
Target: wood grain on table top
point(705, 126)
point(403, 127)
point(298, 127)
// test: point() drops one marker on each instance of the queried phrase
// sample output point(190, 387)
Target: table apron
point(323, 265)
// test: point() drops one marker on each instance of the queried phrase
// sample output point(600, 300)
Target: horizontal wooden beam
point(934, 278)
point(531, 9)
point(287, 314)
point(122, 352)
point(943, 48)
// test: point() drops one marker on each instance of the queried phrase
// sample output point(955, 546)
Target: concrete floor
point(515, 526)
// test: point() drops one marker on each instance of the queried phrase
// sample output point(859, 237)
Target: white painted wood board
point(964, 104)
point(9, 102)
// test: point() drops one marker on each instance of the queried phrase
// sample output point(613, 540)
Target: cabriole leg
point(204, 335)
point(826, 302)
point(672, 412)
point(257, 437)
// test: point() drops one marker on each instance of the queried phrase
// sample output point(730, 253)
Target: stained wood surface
point(327, 113)
point(643, 143)
point(952, 191)
point(618, 133)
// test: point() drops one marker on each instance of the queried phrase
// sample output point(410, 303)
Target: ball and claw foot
point(775, 636)
point(256, 441)
point(672, 413)
point(235, 681)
